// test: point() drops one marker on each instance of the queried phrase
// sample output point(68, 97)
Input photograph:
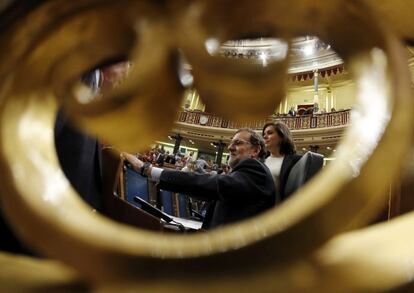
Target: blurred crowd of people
point(188, 162)
point(160, 157)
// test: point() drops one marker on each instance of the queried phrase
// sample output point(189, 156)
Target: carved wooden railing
point(332, 119)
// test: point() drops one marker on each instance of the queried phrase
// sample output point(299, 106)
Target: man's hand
point(137, 164)
point(134, 161)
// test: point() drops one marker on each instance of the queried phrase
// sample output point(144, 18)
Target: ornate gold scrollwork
point(286, 248)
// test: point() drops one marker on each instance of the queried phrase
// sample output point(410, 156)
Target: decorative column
point(332, 100)
point(316, 86)
point(220, 149)
point(178, 138)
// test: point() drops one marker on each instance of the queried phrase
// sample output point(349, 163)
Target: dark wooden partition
point(114, 205)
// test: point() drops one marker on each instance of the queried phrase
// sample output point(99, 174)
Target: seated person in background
point(333, 109)
point(162, 150)
point(189, 166)
point(246, 191)
point(225, 169)
point(190, 157)
point(168, 158)
point(201, 165)
point(179, 163)
point(214, 169)
point(282, 155)
point(160, 159)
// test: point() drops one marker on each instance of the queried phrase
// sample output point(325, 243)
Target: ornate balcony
point(332, 119)
point(324, 130)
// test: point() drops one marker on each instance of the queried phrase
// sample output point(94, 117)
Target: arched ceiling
point(306, 53)
point(397, 14)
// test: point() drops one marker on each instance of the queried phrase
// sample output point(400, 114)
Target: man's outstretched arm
point(152, 172)
point(134, 161)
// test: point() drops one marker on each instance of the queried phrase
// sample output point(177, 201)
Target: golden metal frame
point(300, 245)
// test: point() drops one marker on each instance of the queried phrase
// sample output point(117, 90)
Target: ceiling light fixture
point(264, 57)
point(308, 50)
point(212, 46)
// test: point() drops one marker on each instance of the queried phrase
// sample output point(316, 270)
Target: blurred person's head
point(114, 74)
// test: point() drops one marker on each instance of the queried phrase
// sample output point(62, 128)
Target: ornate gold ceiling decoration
point(300, 245)
point(306, 53)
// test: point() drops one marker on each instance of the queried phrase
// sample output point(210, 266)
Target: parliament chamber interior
point(219, 146)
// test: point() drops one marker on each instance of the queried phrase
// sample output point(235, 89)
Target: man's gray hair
point(257, 140)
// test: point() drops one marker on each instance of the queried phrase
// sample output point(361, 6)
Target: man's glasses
point(238, 142)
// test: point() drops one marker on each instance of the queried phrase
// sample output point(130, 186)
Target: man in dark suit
point(80, 158)
point(292, 112)
point(246, 191)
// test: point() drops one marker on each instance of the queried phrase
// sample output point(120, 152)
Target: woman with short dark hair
point(281, 155)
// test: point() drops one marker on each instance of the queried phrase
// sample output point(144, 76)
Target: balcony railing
point(331, 119)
